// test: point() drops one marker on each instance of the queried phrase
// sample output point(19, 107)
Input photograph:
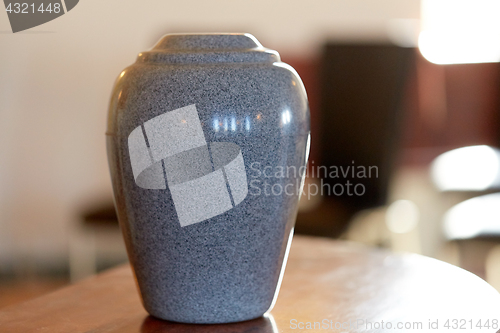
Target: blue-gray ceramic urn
point(207, 138)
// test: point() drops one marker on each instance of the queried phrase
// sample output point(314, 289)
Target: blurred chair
point(473, 224)
point(474, 168)
point(96, 242)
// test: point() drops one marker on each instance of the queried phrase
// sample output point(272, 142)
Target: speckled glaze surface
point(203, 252)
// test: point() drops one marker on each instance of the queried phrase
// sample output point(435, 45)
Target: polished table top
point(329, 286)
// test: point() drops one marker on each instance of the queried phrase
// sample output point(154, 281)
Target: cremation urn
point(207, 139)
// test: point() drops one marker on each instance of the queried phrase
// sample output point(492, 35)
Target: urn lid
point(208, 48)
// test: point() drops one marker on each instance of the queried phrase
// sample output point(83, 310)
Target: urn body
point(207, 139)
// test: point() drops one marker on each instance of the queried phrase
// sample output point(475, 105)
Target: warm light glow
point(474, 217)
point(473, 168)
point(402, 216)
point(460, 31)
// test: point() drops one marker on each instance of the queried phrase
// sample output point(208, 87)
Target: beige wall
point(55, 80)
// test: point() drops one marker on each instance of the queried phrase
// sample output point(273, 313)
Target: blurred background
point(410, 88)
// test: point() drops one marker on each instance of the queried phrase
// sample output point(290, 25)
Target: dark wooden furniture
point(326, 281)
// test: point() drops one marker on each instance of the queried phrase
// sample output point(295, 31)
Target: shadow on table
point(264, 324)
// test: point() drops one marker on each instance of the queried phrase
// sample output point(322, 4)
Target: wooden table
point(330, 283)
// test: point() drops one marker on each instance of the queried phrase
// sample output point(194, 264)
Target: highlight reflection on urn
point(185, 123)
